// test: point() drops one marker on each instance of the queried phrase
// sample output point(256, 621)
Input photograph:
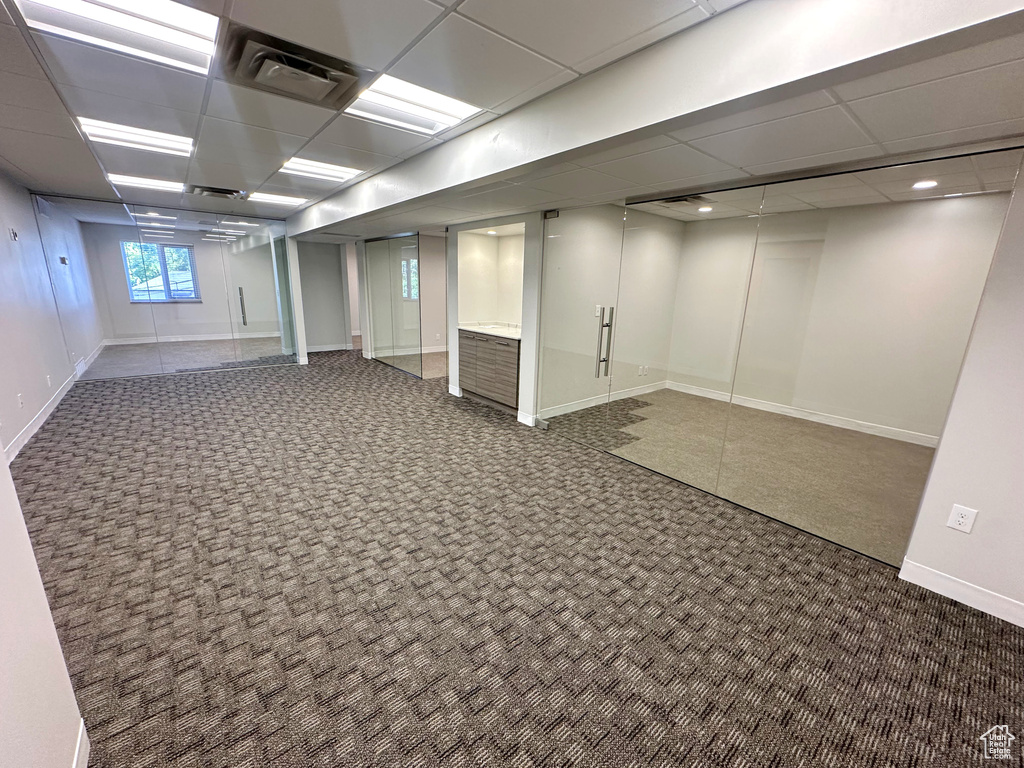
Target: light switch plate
point(962, 518)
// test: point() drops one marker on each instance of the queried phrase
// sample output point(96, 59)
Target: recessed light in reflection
point(705, 209)
point(927, 184)
point(955, 194)
point(491, 232)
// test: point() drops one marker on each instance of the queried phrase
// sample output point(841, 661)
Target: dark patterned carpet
point(341, 565)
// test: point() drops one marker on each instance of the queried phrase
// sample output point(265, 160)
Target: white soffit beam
point(747, 56)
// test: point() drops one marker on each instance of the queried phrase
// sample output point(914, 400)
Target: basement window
point(159, 272)
point(410, 279)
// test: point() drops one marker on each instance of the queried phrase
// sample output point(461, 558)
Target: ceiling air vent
point(226, 194)
point(257, 60)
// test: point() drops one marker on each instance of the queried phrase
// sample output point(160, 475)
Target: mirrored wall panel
point(177, 290)
point(793, 348)
point(393, 298)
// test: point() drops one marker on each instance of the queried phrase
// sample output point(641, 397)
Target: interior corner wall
point(349, 251)
point(980, 459)
point(509, 276)
point(324, 298)
point(32, 344)
point(433, 294)
point(478, 278)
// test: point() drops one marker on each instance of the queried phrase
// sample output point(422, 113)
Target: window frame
point(165, 277)
point(407, 270)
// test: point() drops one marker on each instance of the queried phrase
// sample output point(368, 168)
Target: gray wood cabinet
point(489, 366)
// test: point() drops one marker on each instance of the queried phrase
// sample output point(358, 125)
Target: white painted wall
point(72, 282)
point(31, 339)
point(433, 294)
point(324, 296)
point(980, 460)
point(218, 315)
point(490, 278)
point(349, 249)
point(509, 278)
point(39, 718)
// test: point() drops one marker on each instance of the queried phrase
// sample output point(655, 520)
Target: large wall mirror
point(793, 348)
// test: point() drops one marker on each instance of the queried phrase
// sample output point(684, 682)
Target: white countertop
point(505, 330)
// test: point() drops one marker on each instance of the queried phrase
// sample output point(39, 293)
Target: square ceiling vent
point(258, 60)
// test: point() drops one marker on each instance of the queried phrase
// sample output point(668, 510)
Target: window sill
point(165, 301)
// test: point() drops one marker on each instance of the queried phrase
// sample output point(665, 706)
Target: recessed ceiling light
point(137, 181)
point(239, 224)
point(705, 209)
point(157, 30)
point(154, 216)
point(230, 231)
point(136, 138)
point(396, 102)
point(314, 170)
point(928, 184)
point(264, 197)
point(491, 232)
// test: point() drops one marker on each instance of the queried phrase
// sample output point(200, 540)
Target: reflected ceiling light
point(136, 138)
point(229, 231)
point(154, 224)
point(314, 170)
point(137, 181)
point(264, 197)
point(491, 232)
point(396, 102)
point(705, 209)
point(154, 216)
point(239, 224)
point(157, 30)
point(928, 184)
point(955, 194)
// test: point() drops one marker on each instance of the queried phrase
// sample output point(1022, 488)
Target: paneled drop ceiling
point(490, 53)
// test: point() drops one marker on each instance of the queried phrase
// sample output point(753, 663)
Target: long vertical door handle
point(600, 338)
point(608, 341)
point(241, 301)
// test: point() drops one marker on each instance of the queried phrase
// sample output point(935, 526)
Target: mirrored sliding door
point(393, 292)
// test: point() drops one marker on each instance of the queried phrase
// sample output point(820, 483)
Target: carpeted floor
point(119, 360)
point(858, 490)
point(341, 565)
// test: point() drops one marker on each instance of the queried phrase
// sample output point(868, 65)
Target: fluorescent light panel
point(264, 197)
point(136, 138)
point(396, 102)
point(157, 30)
point(230, 231)
point(239, 224)
point(155, 216)
point(314, 170)
point(137, 181)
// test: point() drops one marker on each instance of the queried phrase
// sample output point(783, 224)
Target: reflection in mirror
point(162, 279)
point(862, 296)
point(393, 291)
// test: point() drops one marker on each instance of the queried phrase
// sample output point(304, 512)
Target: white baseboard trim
point(196, 337)
point(83, 364)
point(841, 421)
point(1000, 606)
point(81, 747)
point(12, 450)
point(327, 347)
point(689, 389)
point(428, 350)
point(454, 390)
point(558, 410)
point(524, 418)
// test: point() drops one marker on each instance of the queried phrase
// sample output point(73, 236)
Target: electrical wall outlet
point(639, 370)
point(21, 401)
point(647, 369)
point(437, 337)
point(962, 518)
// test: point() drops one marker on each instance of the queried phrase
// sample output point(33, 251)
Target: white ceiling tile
point(231, 176)
point(1011, 158)
point(115, 109)
point(745, 197)
point(227, 139)
point(325, 152)
point(532, 175)
point(57, 163)
point(466, 125)
point(816, 161)
point(633, 148)
point(851, 201)
point(837, 196)
point(811, 133)
point(37, 121)
point(705, 180)
point(786, 108)
point(20, 176)
point(960, 136)
point(265, 110)
point(16, 56)
point(300, 186)
point(98, 69)
point(947, 182)
point(976, 98)
point(571, 31)
point(658, 32)
point(661, 165)
point(380, 139)
point(508, 197)
point(582, 182)
point(782, 203)
point(149, 165)
point(916, 171)
point(30, 93)
point(371, 34)
point(560, 79)
point(966, 60)
point(463, 60)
